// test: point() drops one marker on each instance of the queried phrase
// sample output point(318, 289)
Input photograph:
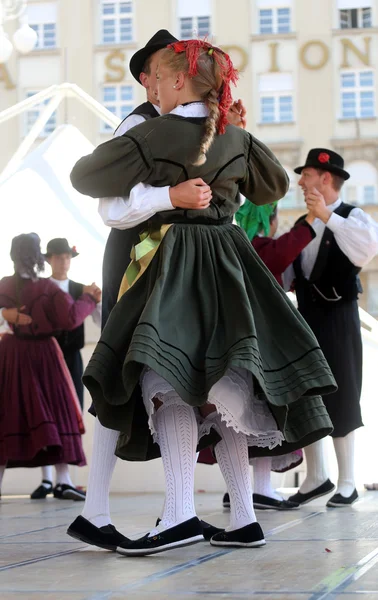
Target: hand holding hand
point(93, 290)
point(237, 114)
point(192, 194)
point(317, 205)
point(15, 317)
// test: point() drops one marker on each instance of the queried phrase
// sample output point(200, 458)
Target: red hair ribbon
point(229, 74)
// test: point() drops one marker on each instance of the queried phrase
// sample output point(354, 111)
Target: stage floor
point(311, 554)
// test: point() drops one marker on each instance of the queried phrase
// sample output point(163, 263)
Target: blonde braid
point(212, 103)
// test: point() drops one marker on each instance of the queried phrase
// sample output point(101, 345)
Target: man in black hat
point(128, 217)
point(59, 254)
point(327, 287)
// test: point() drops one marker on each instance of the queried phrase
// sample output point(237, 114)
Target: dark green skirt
point(207, 303)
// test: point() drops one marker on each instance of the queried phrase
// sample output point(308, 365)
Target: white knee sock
point(2, 471)
point(47, 475)
point(232, 457)
point(96, 507)
point(344, 448)
point(177, 435)
point(316, 466)
point(63, 475)
point(262, 478)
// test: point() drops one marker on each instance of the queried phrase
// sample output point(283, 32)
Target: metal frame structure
point(55, 94)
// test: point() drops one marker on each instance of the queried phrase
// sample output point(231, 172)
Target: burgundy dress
point(278, 254)
point(40, 422)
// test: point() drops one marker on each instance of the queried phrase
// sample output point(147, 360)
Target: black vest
point(145, 110)
point(119, 244)
point(334, 278)
point(71, 341)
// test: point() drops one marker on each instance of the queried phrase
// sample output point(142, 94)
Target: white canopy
point(38, 196)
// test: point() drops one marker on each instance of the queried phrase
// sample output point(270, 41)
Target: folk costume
point(71, 342)
point(182, 354)
point(40, 417)
point(327, 287)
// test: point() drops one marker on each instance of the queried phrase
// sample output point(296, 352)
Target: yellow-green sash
point(141, 256)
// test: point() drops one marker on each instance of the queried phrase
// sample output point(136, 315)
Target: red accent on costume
point(229, 74)
point(323, 157)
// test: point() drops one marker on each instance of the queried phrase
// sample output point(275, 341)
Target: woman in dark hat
point(40, 419)
point(198, 310)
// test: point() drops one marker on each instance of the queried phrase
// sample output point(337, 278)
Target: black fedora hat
point(326, 160)
point(160, 40)
point(60, 246)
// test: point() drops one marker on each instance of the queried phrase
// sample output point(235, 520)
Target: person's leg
point(262, 468)
point(344, 448)
point(316, 464)
point(62, 475)
point(177, 436)
point(96, 508)
point(47, 475)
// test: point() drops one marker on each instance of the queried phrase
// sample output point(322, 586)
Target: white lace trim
point(232, 398)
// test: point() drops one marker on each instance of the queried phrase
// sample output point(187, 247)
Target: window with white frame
point(194, 18)
point(42, 17)
point(117, 21)
point(274, 20)
point(34, 113)
point(291, 198)
point(119, 99)
point(355, 14)
point(362, 187)
point(357, 94)
point(276, 98)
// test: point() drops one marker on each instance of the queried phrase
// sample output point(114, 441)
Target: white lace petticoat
point(234, 399)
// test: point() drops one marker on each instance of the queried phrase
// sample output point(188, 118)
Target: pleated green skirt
point(207, 303)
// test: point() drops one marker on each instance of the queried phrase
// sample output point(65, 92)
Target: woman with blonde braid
point(203, 348)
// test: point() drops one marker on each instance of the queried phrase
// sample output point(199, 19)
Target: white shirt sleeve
point(144, 200)
point(288, 277)
point(96, 315)
point(356, 236)
point(4, 326)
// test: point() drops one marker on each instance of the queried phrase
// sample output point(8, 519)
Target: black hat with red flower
point(326, 160)
point(60, 246)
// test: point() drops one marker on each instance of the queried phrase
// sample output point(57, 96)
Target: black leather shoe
point(338, 500)
point(62, 491)
point(266, 502)
point(207, 530)
point(250, 536)
point(106, 537)
point(184, 534)
point(321, 490)
point(226, 500)
point(42, 491)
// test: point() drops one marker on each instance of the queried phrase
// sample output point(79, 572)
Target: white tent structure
point(35, 189)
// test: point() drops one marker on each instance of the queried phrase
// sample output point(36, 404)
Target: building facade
point(309, 73)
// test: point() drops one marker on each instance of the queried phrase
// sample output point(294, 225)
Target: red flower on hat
point(74, 249)
point(323, 157)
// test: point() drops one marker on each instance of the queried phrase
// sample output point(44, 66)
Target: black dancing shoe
point(106, 537)
point(226, 500)
point(338, 500)
point(207, 530)
point(62, 491)
point(42, 491)
point(321, 490)
point(250, 536)
point(266, 502)
point(184, 534)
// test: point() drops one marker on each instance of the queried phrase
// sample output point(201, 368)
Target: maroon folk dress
point(277, 254)
point(40, 423)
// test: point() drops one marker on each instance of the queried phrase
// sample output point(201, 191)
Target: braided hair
point(27, 256)
point(211, 72)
